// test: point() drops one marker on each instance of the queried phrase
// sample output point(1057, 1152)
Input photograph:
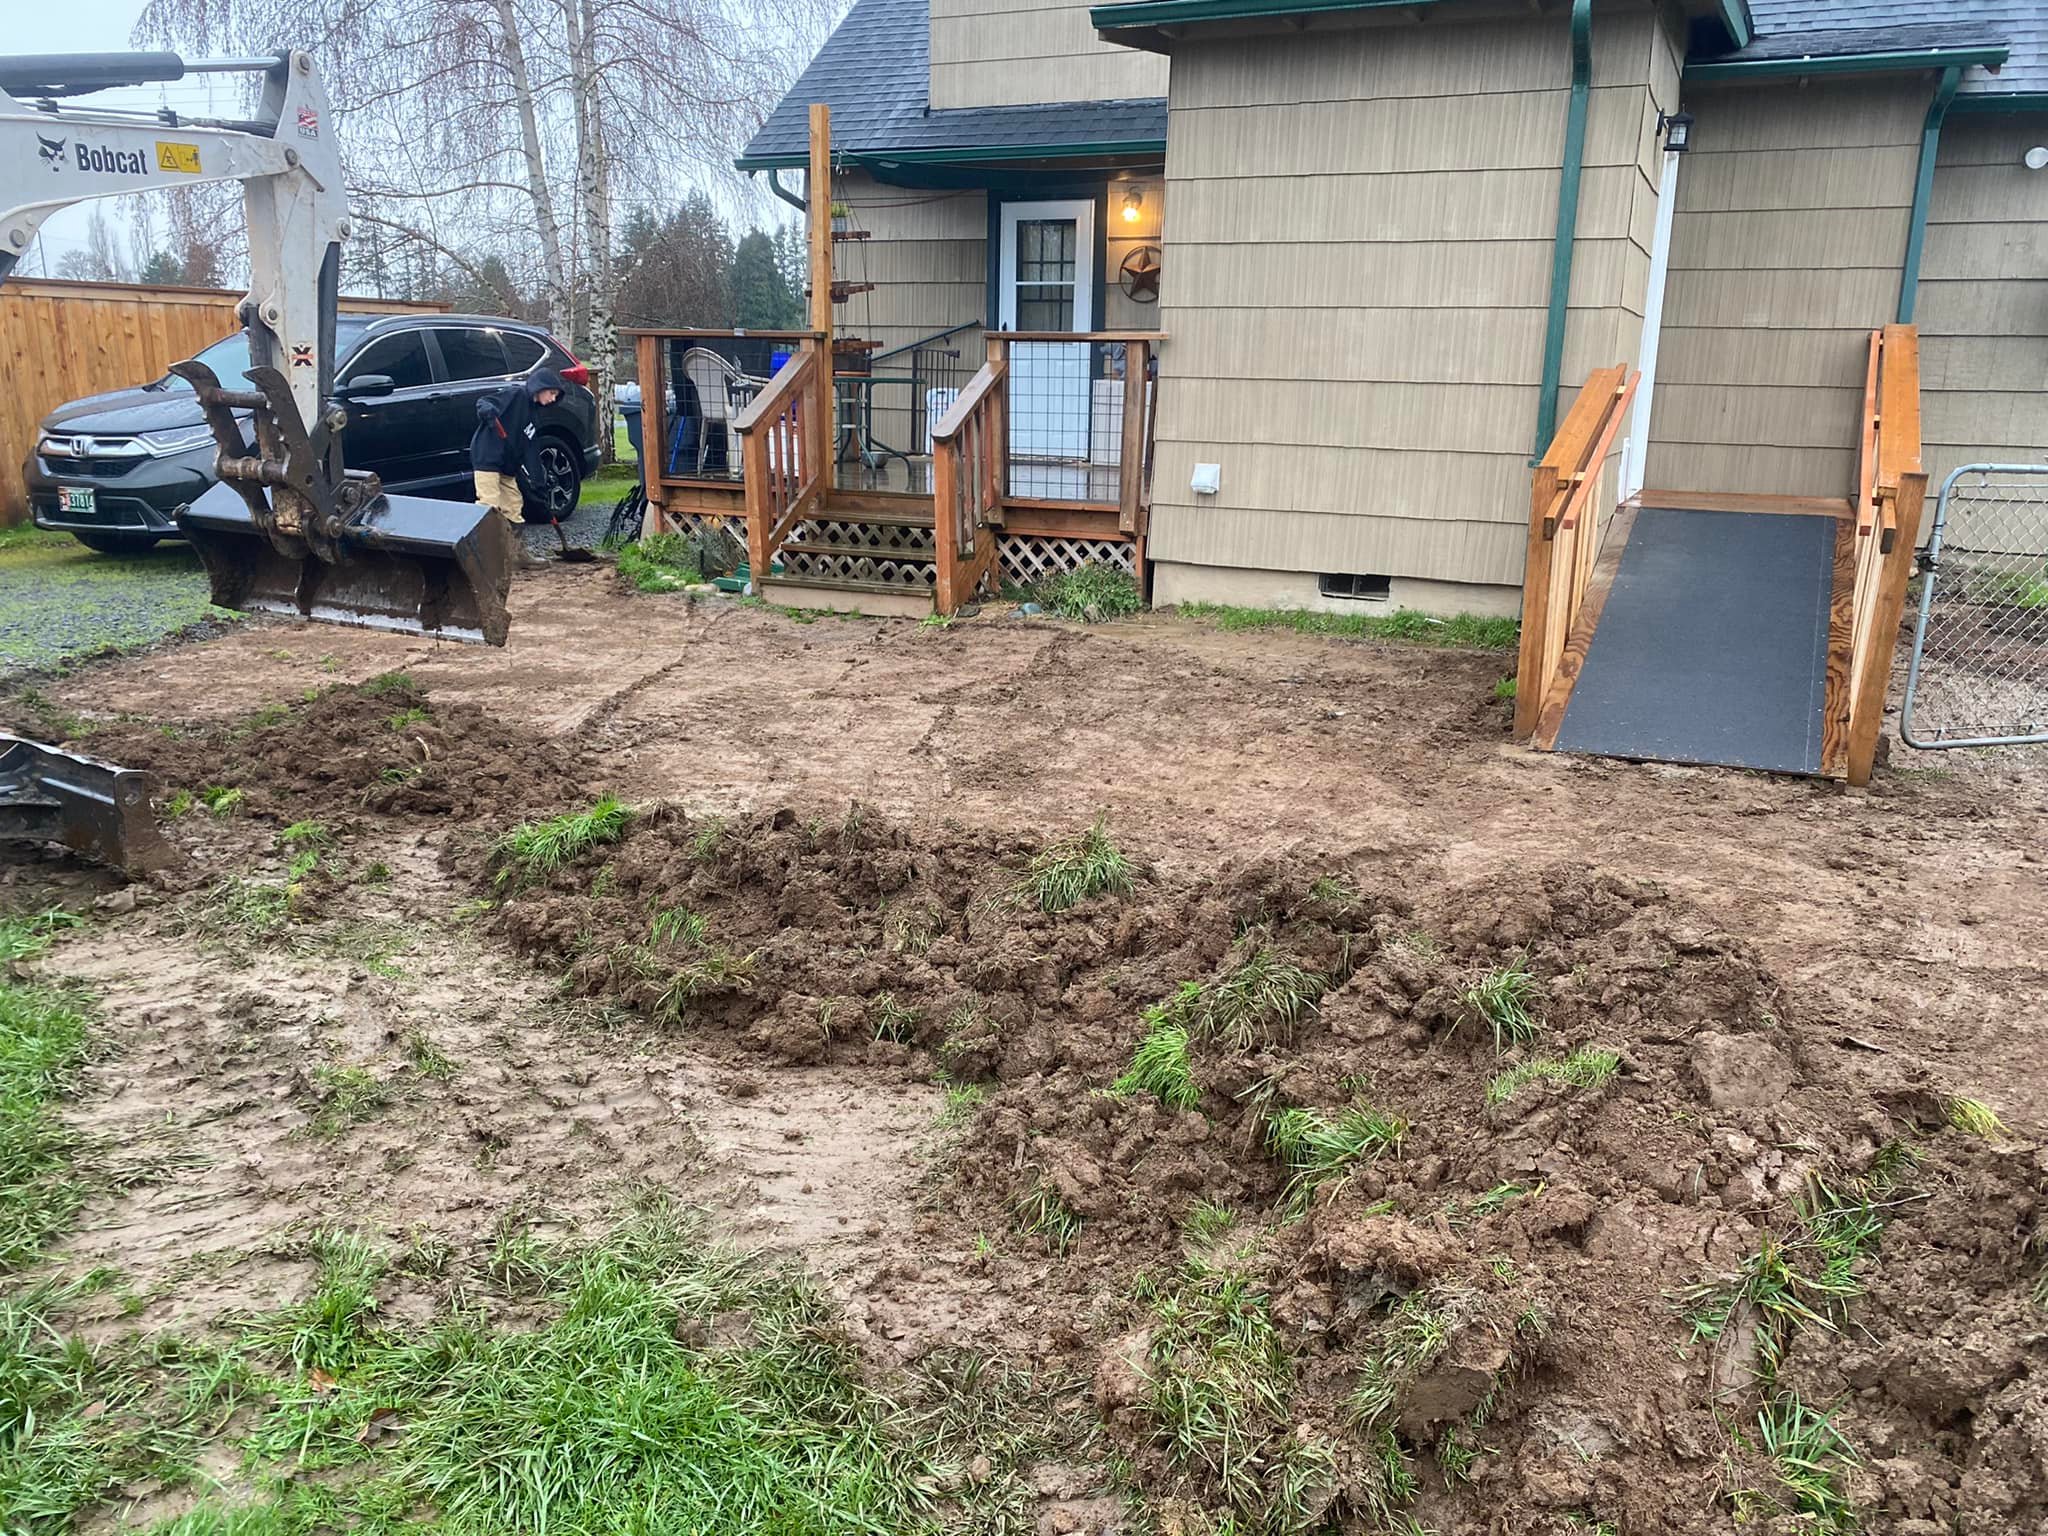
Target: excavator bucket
point(405, 563)
point(92, 807)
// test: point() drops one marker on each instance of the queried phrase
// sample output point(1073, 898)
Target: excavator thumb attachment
point(91, 807)
point(406, 563)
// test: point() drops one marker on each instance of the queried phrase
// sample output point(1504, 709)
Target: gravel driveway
point(60, 600)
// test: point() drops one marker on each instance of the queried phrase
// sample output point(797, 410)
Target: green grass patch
point(610, 482)
point(1813, 1461)
point(1043, 1212)
point(347, 1096)
point(536, 849)
point(1259, 1000)
point(1327, 1149)
point(222, 799)
point(662, 562)
point(1075, 868)
point(1090, 594)
point(1973, 1117)
point(391, 682)
point(428, 1059)
point(1406, 624)
point(241, 911)
point(405, 719)
point(21, 937)
point(1504, 1000)
point(892, 1020)
point(42, 1043)
point(1587, 1067)
point(676, 925)
point(715, 972)
point(1160, 1065)
point(1208, 1220)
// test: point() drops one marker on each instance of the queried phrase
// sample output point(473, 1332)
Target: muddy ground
point(876, 1056)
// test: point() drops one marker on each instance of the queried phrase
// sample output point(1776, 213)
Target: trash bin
point(628, 399)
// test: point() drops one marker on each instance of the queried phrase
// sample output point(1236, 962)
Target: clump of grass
point(427, 1058)
point(379, 873)
point(1208, 1220)
point(708, 840)
point(221, 799)
point(1973, 1117)
point(1076, 868)
point(1092, 593)
point(243, 911)
point(178, 802)
point(1503, 1000)
point(1504, 688)
point(24, 936)
point(538, 848)
point(715, 971)
point(893, 1021)
point(327, 1330)
point(1812, 1459)
point(1335, 894)
point(1324, 1149)
point(1160, 1066)
point(676, 925)
point(1260, 999)
point(962, 1100)
point(348, 1096)
point(1042, 1212)
point(661, 562)
point(1587, 1067)
point(1465, 629)
point(913, 931)
point(391, 682)
point(405, 719)
point(42, 1043)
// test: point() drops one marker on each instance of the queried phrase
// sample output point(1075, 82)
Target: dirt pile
point(382, 748)
point(1362, 1195)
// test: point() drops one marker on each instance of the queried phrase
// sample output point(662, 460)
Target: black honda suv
point(112, 469)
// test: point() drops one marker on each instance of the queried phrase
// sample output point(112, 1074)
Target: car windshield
point(229, 357)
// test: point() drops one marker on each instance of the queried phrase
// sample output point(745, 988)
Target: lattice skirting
point(845, 549)
point(691, 522)
point(1026, 558)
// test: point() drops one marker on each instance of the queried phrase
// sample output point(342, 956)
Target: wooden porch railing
point(1566, 515)
point(975, 467)
point(970, 446)
point(1874, 555)
point(785, 451)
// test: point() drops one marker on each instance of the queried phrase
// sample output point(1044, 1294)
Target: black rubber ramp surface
point(1713, 646)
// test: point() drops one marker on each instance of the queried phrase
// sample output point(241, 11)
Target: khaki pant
point(502, 492)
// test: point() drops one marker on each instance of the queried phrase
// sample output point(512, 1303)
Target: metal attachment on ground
point(1979, 674)
point(288, 530)
point(94, 808)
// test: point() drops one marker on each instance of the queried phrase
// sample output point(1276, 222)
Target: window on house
point(1371, 589)
point(1045, 274)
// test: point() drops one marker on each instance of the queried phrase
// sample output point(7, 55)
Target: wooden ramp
point(1710, 644)
point(1699, 627)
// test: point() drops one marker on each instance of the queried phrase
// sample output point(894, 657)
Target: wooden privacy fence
point(1874, 555)
point(1566, 519)
point(785, 449)
point(64, 340)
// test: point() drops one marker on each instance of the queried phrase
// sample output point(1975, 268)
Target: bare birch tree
point(508, 129)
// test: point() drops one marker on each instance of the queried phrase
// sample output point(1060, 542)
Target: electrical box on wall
point(1208, 479)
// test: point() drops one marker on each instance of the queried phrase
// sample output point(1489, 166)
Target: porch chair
point(714, 378)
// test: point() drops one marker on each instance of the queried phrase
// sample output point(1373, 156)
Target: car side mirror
point(368, 387)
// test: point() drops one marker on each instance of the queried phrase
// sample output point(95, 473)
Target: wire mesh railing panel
point(1066, 412)
point(1979, 673)
point(708, 381)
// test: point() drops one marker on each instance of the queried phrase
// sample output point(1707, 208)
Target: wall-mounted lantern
point(1677, 130)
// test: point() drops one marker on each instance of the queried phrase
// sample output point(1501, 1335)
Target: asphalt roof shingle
point(875, 73)
point(1790, 27)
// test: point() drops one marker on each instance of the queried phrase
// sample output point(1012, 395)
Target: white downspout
point(1635, 450)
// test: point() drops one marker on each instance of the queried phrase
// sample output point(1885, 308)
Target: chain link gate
point(1979, 674)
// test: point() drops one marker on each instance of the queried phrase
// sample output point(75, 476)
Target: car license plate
point(79, 498)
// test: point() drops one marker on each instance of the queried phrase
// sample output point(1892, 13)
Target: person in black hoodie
point(505, 452)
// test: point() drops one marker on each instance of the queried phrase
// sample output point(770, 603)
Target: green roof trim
point(1153, 13)
point(1989, 56)
point(1735, 17)
point(971, 154)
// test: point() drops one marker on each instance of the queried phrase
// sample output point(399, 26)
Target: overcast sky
point(87, 26)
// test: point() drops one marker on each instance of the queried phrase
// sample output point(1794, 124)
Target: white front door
point(1046, 282)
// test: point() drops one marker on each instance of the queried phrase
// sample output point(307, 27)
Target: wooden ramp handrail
point(1566, 519)
point(784, 447)
point(970, 452)
point(1891, 488)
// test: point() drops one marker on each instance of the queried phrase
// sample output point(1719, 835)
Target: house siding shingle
point(999, 53)
point(1983, 298)
point(1359, 238)
point(1786, 249)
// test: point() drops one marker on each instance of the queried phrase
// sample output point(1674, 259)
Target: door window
point(402, 356)
point(1045, 274)
point(522, 352)
point(471, 354)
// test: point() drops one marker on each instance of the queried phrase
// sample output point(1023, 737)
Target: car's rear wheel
point(561, 479)
point(117, 543)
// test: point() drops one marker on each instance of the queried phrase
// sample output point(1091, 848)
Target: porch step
point(879, 598)
point(858, 551)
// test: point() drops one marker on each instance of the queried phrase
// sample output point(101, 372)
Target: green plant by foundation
point(662, 562)
point(1091, 593)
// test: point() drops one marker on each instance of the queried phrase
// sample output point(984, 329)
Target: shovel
point(569, 556)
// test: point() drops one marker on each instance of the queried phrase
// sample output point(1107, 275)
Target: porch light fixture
point(1133, 201)
point(1677, 130)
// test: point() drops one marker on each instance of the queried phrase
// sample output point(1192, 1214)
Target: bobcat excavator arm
point(287, 529)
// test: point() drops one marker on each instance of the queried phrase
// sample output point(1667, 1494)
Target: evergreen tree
point(763, 297)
